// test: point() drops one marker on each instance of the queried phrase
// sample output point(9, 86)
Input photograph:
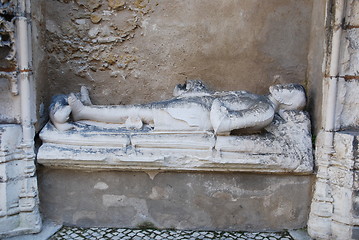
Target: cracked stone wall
point(136, 51)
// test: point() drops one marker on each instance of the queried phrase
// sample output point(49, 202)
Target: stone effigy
point(198, 129)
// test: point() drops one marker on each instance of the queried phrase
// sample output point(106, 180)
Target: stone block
point(322, 209)
point(319, 227)
point(284, 147)
point(227, 201)
point(344, 146)
point(8, 223)
point(11, 136)
point(341, 231)
point(352, 15)
point(12, 192)
point(342, 204)
point(350, 53)
point(9, 197)
point(341, 177)
point(12, 169)
point(355, 203)
point(200, 141)
point(350, 112)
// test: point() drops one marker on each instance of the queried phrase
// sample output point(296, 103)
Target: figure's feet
point(84, 96)
point(60, 113)
point(76, 107)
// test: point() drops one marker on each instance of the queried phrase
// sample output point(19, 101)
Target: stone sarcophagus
point(197, 130)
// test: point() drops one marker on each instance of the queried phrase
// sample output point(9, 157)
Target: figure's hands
point(133, 122)
point(218, 115)
point(76, 106)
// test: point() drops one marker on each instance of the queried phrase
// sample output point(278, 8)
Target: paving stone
point(150, 234)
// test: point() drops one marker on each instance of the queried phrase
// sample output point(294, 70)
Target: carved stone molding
point(18, 185)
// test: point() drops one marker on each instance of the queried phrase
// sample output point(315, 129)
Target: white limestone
point(339, 211)
point(184, 133)
point(19, 202)
point(334, 209)
point(193, 108)
point(18, 187)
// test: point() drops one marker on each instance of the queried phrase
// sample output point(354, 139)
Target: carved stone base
point(284, 146)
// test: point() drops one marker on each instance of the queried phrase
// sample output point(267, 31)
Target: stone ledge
point(284, 147)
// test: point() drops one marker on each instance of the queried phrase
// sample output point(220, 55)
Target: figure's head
point(289, 96)
point(191, 87)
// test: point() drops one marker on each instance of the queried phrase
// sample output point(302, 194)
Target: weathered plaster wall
point(137, 51)
point(232, 201)
point(316, 63)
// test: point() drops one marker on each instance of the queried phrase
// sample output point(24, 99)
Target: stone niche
point(199, 131)
point(132, 52)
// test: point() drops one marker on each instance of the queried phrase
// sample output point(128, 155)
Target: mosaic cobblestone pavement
point(75, 233)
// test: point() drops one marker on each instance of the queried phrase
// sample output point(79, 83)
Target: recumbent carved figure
point(193, 108)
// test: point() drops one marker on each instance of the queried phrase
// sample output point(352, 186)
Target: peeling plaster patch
point(267, 201)
point(281, 210)
point(101, 186)
point(84, 215)
point(93, 32)
point(53, 27)
point(159, 193)
point(226, 196)
point(80, 21)
point(114, 200)
point(91, 36)
point(139, 205)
